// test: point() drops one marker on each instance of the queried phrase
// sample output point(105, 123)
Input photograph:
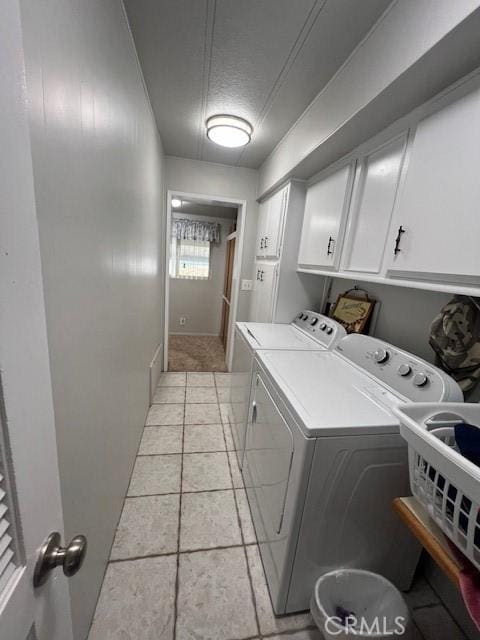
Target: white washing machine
point(324, 460)
point(309, 331)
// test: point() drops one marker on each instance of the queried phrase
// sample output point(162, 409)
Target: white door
point(372, 206)
point(326, 207)
point(436, 227)
point(263, 208)
point(30, 504)
point(275, 223)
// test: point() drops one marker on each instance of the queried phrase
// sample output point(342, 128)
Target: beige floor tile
point(248, 530)
point(421, 594)
point(223, 379)
point(223, 394)
point(200, 380)
point(214, 597)
point(209, 520)
point(137, 601)
point(201, 438)
point(225, 412)
point(201, 395)
point(155, 475)
point(170, 379)
point(165, 414)
point(158, 440)
point(228, 437)
point(269, 623)
point(202, 414)
point(147, 526)
point(435, 623)
point(309, 634)
point(205, 471)
point(169, 395)
point(237, 478)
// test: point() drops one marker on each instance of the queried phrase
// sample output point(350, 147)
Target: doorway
point(203, 250)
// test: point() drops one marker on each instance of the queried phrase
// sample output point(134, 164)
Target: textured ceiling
point(263, 60)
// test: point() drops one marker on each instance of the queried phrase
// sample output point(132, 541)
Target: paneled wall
point(98, 173)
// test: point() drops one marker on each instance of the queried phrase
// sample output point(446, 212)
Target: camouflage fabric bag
point(455, 338)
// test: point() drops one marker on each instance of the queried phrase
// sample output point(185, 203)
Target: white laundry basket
point(351, 604)
point(442, 480)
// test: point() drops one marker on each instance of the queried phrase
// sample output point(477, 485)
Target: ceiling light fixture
point(229, 131)
point(176, 202)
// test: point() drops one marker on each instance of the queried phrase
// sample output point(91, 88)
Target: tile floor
point(184, 563)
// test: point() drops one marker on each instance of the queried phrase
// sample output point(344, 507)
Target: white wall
point(200, 301)
point(207, 178)
point(97, 163)
point(405, 314)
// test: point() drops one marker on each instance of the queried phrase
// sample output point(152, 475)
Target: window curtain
point(185, 229)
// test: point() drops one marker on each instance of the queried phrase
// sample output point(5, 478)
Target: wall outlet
point(246, 285)
point(183, 320)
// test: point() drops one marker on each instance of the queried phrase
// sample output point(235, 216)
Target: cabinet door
point(263, 210)
point(437, 222)
point(275, 222)
point(372, 206)
point(326, 206)
point(264, 292)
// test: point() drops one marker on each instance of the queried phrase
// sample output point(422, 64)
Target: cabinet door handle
point(397, 249)
point(262, 244)
point(266, 242)
point(254, 412)
point(261, 275)
point(258, 274)
point(330, 250)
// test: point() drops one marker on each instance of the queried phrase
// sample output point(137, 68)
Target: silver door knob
point(52, 555)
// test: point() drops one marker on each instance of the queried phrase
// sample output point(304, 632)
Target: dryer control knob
point(323, 326)
point(420, 379)
point(404, 369)
point(314, 322)
point(381, 355)
point(329, 330)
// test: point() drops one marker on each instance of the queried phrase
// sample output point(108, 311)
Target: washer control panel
point(408, 375)
point(323, 329)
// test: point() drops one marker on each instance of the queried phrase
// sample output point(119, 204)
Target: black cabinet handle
point(330, 242)
point(397, 249)
point(266, 242)
point(261, 244)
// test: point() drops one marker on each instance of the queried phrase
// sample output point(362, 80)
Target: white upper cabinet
point(436, 227)
point(276, 220)
point(375, 189)
point(271, 220)
point(326, 207)
point(263, 208)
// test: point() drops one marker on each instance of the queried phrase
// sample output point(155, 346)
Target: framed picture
point(353, 312)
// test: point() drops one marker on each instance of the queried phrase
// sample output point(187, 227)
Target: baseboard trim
point(192, 333)
point(156, 367)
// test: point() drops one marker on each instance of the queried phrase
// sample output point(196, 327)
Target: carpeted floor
point(196, 353)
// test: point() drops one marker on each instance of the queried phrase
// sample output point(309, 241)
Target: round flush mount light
point(176, 202)
point(229, 131)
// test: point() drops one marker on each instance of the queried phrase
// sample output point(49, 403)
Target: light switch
point(246, 285)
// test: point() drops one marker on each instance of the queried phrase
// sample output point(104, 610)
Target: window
point(190, 259)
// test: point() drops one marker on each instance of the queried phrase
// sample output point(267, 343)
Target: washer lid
point(329, 396)
point(276, 336)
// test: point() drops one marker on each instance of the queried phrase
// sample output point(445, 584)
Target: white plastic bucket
point(351, 604)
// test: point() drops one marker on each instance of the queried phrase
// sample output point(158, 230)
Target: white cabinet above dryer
point(436, 230)
point(271, 220)
point(326, 208)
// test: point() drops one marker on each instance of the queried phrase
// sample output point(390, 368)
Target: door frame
point(204, 198)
